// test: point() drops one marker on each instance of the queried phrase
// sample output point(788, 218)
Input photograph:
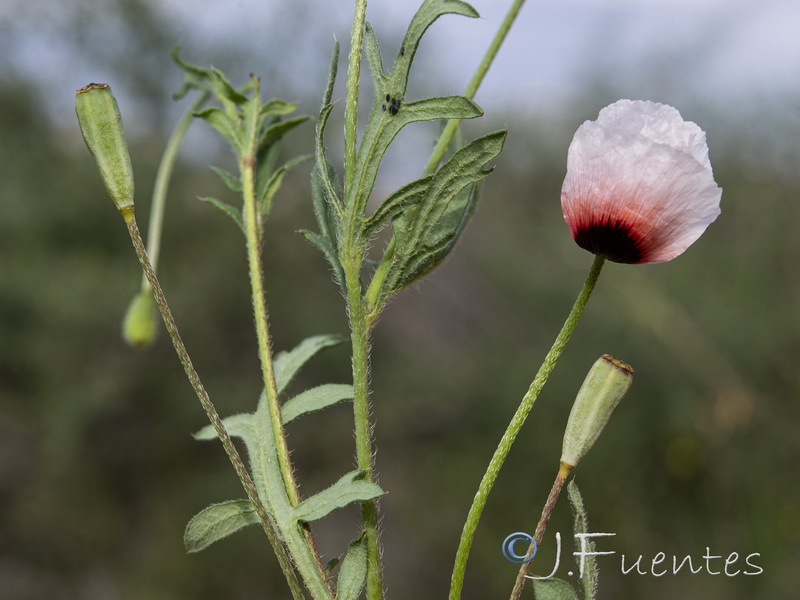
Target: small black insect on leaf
point(402, 50)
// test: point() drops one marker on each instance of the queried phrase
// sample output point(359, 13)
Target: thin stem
point(163, 176)
point(351, 102)
point(360, 326)
point(503, 448)
point(211, 412)
point(472, 87)
point(247, 170)
point(563, 472)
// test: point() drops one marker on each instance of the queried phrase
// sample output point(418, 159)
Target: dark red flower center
point(614, 240)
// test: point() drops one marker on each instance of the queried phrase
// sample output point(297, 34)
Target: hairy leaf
point(232, 212)
point(591, 572)
point(553, 589)
point(216, 522)
point(287, 364)
point(239, 425)
point(426, 232)
point(350, 488)
point(353, 572)
point(402, 199)
point(231, 181)
point(315, 399)
point(224, 124)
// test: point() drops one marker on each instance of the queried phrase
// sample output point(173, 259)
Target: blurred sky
point(704, 49)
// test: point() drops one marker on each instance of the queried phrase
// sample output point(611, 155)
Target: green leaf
point(442, 107)
point(390, 112)
point(315, 399)
point(553, 589)
point(385, 124)
point(353, 572)
point(350, 488)
point(428, 12)
point(275, 132)
point(325, 245)
point(232, 212)
point(427, 231)
point(278, 107)
point(266, 190)
point(224, 124)
point(375, 62)
point(402, 199)
point(591, 572)
point(216, 522)
point(239, 425)
point(333, 66)
point(231, 181)
point(223, 89)
point(287, 364)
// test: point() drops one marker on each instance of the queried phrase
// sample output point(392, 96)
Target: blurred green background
point(98, 472)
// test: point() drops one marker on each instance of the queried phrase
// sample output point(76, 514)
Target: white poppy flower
point(639, 186)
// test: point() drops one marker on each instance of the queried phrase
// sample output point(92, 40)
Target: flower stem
point(563, 472)
point(351, 102)
point(503, 448)
point(159, 200)
point(360, 326)
point(247, 169)
point(252, 233)
point(211, 412)
point(472, 87)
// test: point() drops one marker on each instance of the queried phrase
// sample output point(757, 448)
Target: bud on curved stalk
point(139, 326)
point(101, 126)
point(604, 386)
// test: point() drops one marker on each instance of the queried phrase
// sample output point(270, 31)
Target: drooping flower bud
point(604, 386)
point(101, 126)
point(639, 186)
point(139, 325)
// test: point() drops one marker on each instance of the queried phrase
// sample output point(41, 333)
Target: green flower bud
point(139, 325)
point(604, 386)
point(101, 126)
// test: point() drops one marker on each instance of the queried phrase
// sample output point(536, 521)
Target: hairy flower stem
point(563, 472)
point(247, 170)
point(360, 326)
point(211, 412)
point(503, 448)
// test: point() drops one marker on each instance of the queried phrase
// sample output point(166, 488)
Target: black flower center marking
point(614, 240)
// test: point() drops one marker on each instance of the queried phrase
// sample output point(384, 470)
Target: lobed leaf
point(216, 522)
point(350, 488)
point(315, 399)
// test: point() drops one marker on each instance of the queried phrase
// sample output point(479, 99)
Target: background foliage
point(99, 474)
